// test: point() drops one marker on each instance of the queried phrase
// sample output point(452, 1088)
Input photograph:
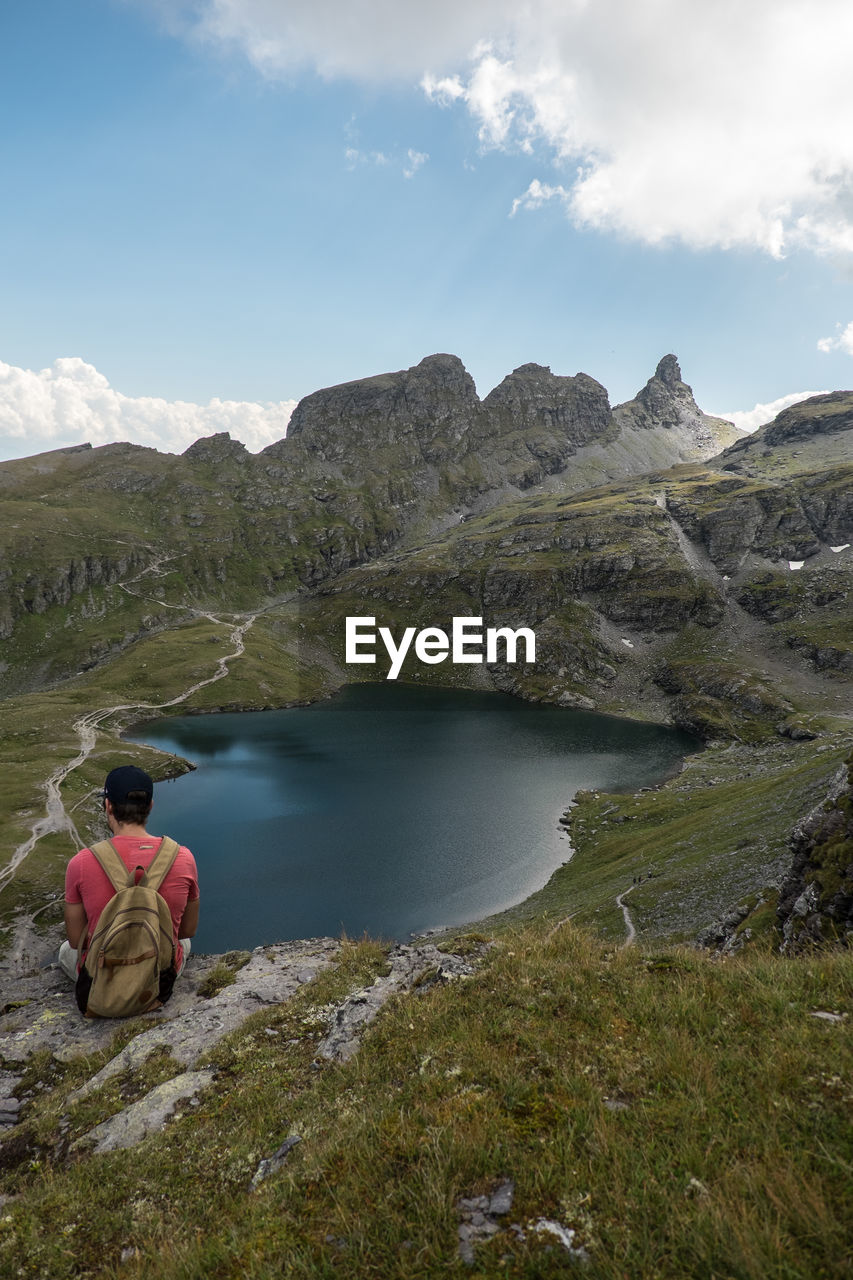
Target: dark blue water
point(389, 809)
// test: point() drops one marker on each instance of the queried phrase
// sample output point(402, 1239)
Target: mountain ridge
point(657, 591)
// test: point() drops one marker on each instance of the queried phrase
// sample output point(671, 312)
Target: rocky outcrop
point(426, 412)
point(821, 422)
point(40, 1013)
point(827, 498)
point(720, 700)
point(217, 449)
point(666, 401)
point(556, 415)
point(732, 518)
point(825, 656)
point(410, 967)
point(149, 1115)
point(40, 1017)
point(819, 415)
point(38, 592)
point(816, 899)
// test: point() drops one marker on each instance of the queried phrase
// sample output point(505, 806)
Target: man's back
point(87, 883)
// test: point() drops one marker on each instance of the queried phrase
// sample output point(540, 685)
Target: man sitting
point(128, 799)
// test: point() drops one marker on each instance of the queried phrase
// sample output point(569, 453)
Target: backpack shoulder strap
point(161, 863)
point(114, 868)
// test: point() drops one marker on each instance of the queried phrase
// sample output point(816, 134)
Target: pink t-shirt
point(86, 882)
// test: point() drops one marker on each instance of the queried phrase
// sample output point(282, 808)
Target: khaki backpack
point(130, 965)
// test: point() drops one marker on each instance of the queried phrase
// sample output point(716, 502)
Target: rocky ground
point(214, 996)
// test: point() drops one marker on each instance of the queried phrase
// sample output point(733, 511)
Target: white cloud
point(355, 158)
point(843, 341)
point(365, 39)
point(751, 419)
point(718, 125)
point(72, 402)
point(414, 160)
point(537, 194)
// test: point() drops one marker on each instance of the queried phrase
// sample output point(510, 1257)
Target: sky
point(211, 208)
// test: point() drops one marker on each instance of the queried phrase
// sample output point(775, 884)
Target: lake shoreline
point(440, 738)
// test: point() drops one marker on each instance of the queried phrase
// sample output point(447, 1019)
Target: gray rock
point(8, 1083)
point(270, 977)
point(217, 448)
point(43, 1014)
point(816, 897)
point(500, 1201)
point(565, 1236)
point(273, 1163)
point(478, 1217)
point(409, 964)
point(148, 1115)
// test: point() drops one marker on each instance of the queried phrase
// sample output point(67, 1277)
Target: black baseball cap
point(127, 779)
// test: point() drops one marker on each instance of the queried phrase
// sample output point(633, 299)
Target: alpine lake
point(389, 810)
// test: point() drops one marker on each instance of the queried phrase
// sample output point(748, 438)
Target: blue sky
point(231, 203)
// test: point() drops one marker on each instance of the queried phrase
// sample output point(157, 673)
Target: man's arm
point(189, 920)
point(75, 924)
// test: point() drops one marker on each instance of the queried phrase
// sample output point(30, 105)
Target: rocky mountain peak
point(665, 396)
point(432, 398)
point(217, 448)
point(665, 400)
point(444, 368)
point(534, 398)
point(669, 371)
point(824, 424)
point(531, 368)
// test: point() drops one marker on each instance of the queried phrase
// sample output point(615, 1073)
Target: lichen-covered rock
point(410, 966)
point(149, 1115)
point(42, 1013)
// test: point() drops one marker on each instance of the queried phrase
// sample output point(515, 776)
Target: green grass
point(709, 836)
point(729, 1155)
point(224, 973)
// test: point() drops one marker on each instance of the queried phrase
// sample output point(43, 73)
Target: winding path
point(626, 915)
point(56, 817)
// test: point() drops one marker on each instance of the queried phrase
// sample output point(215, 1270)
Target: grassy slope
point(709, 837)
point(727, 1153)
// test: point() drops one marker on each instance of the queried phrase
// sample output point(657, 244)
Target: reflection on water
point(389, 809)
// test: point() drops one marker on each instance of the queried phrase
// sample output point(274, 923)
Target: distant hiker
point(131, 907)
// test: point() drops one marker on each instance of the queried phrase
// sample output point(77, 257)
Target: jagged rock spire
point(668, 371)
